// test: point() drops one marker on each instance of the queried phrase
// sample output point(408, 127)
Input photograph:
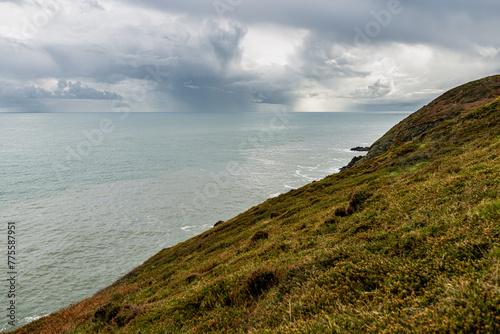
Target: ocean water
point(94, 195)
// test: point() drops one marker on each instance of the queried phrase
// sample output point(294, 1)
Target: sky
point(241, 55)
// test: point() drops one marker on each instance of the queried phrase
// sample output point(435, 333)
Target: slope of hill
point(447, 106)
point(405, 241)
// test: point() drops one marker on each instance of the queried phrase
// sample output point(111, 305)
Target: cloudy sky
point(241, 55)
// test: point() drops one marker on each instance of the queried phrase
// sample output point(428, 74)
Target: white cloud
point(487, 51)
point(270, 44)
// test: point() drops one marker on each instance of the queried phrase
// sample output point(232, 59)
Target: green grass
point(418, 250)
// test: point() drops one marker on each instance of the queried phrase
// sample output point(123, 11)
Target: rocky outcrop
point(360, 149)
point(352, 163)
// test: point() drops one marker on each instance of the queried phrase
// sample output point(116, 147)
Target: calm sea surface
point(94, 195)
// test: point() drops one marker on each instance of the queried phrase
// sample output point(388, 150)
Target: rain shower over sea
point(93, 195)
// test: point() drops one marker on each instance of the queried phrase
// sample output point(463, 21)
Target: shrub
point(260, 280)
point(357, 198)
point(275, 215)
point(127, 314)
point(340, 212)
point(107, 312)
point(259, 235)
point(349, 210)
point(191, 277)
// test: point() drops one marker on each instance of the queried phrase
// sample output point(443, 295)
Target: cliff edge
point(446, 107)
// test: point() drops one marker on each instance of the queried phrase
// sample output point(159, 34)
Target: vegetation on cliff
point(405, 241)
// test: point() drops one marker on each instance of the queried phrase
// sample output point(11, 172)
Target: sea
point(87, 197)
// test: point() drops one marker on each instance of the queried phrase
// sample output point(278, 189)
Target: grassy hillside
point(406, 241)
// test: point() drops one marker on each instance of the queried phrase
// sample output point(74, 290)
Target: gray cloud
point(451, 22)
point(226, 42)
point(186, 55)
point(75, 90)
point(31, 96)
point(376, 90)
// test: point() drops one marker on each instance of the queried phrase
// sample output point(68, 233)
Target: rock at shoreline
point(360, 149)
point(356, 159)
point(352, 163)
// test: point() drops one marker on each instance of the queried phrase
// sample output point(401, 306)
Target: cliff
point(448, 106)
point(407, 240)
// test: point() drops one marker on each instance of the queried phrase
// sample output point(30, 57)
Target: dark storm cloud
point(461, 27)
point(196, 54)
point(321, 62)
point(445, 22)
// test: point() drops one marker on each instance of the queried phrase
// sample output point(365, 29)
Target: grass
point(405, 242)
